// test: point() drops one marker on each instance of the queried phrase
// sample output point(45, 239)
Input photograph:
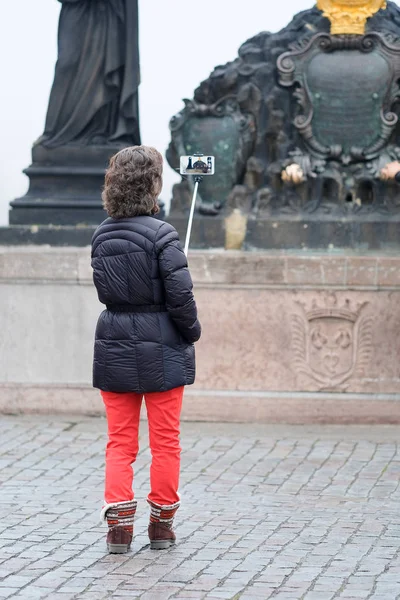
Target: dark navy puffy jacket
point(144, 340)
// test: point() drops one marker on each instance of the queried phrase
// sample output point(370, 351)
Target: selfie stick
point(191, 215)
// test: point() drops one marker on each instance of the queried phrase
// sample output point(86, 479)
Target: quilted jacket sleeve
point(177, 283)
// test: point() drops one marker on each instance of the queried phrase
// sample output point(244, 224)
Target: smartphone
point(197, 165)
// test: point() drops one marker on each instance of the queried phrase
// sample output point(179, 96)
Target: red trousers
point(123, 414)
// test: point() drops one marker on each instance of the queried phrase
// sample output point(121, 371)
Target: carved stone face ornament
point(349, 16)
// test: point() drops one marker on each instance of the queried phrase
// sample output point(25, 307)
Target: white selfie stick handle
point(191, 215)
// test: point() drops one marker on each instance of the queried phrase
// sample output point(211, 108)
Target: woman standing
point(144, 342)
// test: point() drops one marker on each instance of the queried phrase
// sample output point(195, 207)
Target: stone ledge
point(228, 406)
point(218, 268)
point(46, 235)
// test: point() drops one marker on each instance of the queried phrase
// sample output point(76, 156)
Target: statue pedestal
point(65, 186)
point(287, 337)
point(63, 205)
point(294, 232)
point(47, 235)
point(288, 233)
point(365, 232)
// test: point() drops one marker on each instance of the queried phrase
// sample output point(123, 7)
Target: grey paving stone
point(280, 512)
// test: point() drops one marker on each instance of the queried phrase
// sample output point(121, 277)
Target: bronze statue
point(94, 98)
point(92, 113)
point(306, 119)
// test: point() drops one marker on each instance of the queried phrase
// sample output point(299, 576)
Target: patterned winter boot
point(161, 534)
point(119, 516)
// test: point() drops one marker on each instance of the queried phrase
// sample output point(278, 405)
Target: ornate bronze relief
point(345, 89)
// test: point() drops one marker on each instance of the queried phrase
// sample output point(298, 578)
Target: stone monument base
point(286, 232)
point(65, 186)
point(290, 231)
point(49, 235)
point(225, 407)
point(287, 337)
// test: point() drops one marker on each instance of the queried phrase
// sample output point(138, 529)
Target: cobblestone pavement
point(289, 513)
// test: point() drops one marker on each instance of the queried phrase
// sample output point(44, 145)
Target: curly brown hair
point(133, 182)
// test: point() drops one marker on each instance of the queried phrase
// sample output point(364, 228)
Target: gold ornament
point(349, 16)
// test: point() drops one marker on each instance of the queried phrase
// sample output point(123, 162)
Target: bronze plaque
point(347, 91)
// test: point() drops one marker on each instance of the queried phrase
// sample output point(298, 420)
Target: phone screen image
point(197, 165)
